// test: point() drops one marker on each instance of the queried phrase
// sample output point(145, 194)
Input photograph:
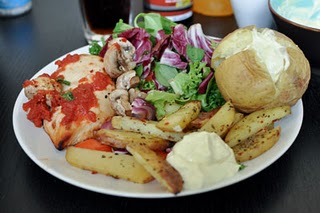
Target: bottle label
point(10, 4)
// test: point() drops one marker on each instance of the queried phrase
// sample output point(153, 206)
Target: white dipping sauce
point(202, 159)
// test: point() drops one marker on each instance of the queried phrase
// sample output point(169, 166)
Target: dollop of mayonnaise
point(270, 52)
point(202, 159)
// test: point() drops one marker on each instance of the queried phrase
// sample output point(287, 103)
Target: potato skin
point(244, 80)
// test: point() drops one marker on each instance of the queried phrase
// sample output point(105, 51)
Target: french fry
point(253, 123)
point(179, 120)
point(256, 145)
point(158, 167)
point(121, 138)
point(221, 121)
point(108, 163)
point(144, 127)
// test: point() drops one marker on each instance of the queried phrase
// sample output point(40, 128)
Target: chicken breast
point(81, 105)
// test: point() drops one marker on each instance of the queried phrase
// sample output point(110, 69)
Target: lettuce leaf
point(120, 27)
point(164, 73)
point(187, 84)
point(160, 99)
point(212, 98)
point(153, 22)
point(195, 54)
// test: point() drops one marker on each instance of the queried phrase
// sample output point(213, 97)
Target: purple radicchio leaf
point(204, 84)
point(140, 39)
point(172, 59)
point(162, 42)
point(143, 109)
point(146, 64)
point(197, 38)
point(180, 39)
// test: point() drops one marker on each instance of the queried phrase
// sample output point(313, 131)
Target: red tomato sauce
point(75, 110)
point(67, 60)
point(31, 82)
point(84, 99)
point(37, 108)
point(78, 109)
point(64, 62)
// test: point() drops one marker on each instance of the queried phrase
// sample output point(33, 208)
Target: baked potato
point(260, 68)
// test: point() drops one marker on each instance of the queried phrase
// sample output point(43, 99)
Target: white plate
point(37, 145)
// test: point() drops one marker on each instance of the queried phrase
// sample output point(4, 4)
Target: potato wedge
point(256, 145)
point(179, 120)
point(237, 117)
point(253, 123)
point(108, 163)
point(221, 121)
point(144, 127)
point(202, 118)
point(121, 138)
point(158, 167)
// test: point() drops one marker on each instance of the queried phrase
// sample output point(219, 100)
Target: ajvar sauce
point(76, 109)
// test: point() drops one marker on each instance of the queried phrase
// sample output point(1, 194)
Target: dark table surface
point(53, 28)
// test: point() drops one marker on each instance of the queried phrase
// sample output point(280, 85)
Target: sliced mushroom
point(120, 102)
point(127, 80)
point(135, 93)
point(119, 57)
